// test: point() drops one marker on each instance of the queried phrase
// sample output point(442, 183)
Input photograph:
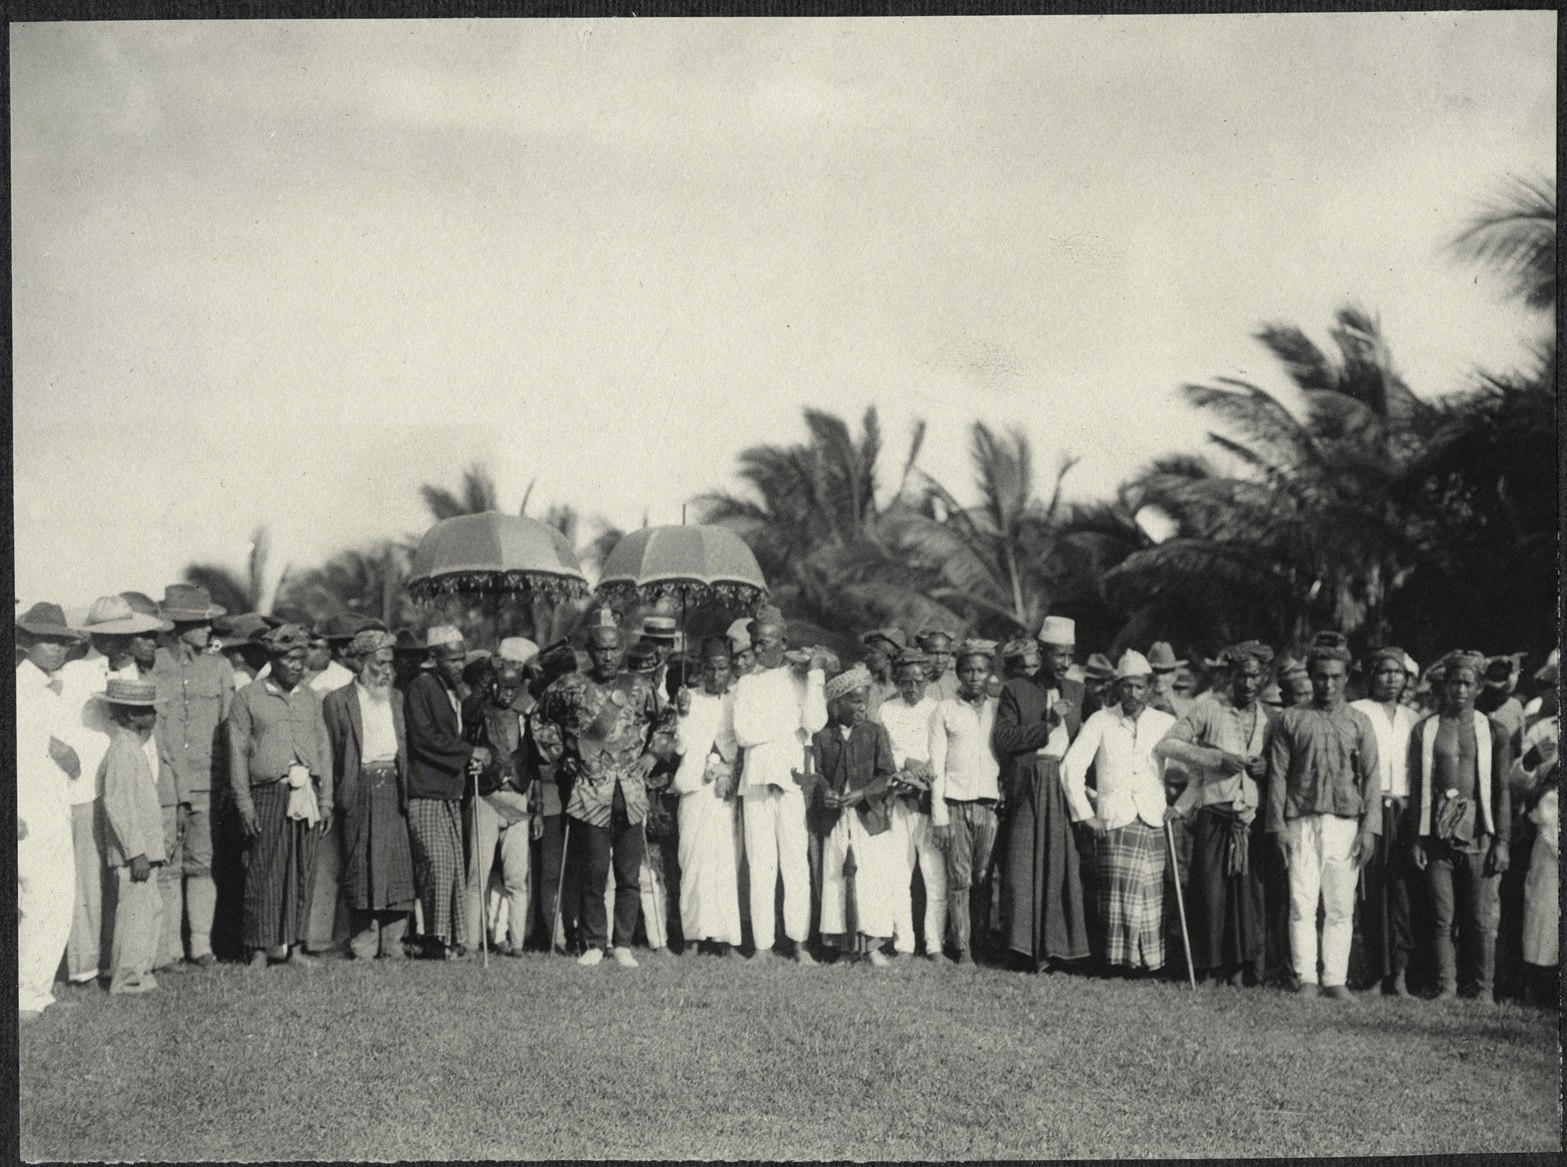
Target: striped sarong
point(279, 864)
point(435, 832)
point(1130, 885)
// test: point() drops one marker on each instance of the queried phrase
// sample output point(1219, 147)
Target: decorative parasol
point(700, 564)
point(491, 554)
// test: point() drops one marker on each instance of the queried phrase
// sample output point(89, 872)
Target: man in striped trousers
point(280, 763)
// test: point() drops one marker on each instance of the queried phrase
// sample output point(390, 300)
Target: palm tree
point(1304, 530)
point(255, 591)
point(368, 582)
point(1515, 236)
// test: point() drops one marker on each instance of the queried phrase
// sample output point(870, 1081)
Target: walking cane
point(658, 909)
point(555, 921)
point(478, 866)
point(1180, 903)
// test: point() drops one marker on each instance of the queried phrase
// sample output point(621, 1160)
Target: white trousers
point(916, 848)
point(1319, 864)
point(45, 899)
point(878, 860)
point(508, 908)
point(775, 845)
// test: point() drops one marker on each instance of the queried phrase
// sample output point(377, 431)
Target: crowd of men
point(193, 784)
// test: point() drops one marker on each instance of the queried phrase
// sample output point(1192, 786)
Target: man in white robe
point(705, 784)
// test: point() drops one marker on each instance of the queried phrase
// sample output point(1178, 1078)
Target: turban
point(1020, 650)
point(371, 640)
point(1463, 658)
point(849, 681)
point(284, 639)
point(1328, 646)
point(1377, 656)
point(975, 647)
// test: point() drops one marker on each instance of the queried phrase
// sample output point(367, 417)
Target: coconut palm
point(255, 591)
point(1515, 236)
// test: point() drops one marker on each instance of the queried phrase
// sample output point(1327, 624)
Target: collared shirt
point(380, 732)
point(599, 731)
point(87, 720)
point(961, 759)
point(195, 694)
point(1392, 744)
point(880, 691)
point(776, 713)
point(1130, 778)
point(270, 731)
point(1211, 727)
point(42, 787)
point(908, 728)
point(1323, 761)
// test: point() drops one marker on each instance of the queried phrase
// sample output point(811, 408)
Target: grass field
point(715, 1058)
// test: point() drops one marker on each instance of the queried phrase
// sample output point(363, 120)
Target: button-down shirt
point(269, 731)
point(1323, 761)
point(777, 712)
point(961, 759)
point(908, 728)
point(1130, 776)
point(1213, 726)
point(598, 731)
point(1392, 744)
point(195, 694)
point(380, 732)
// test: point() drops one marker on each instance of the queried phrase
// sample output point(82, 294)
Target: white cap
point(1132, 664)
point(1058, 630)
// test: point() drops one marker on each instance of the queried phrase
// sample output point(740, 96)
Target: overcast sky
point(284, 272)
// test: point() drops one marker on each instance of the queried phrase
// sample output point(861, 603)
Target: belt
point(970, 801)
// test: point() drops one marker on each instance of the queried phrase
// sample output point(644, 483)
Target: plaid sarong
point(1130, 867)
point(435, 832)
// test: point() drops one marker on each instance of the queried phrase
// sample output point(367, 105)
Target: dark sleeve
point(1412, 806)
point(429, 733)
point(1502, 797)
point(882, 767)
point(337, 735)
point(324, 746)
point(1278, 775)
point(239, 749)
point(1010, 736)
point(813, 786)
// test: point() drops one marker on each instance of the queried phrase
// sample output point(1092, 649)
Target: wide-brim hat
point(136, 694)
point(342, 628)
point(48, 620)
point(1161, 657)
point(896, 637)
point(1099, 668)
point(658, 628)
point(114, 616)
point(407, 641)
point(189, 603)
point(244, 628)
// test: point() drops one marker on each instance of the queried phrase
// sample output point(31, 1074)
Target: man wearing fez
point(606, 729)
point(439, 757)
point(1461, 807)
point(47, 767)
point(1384, 907)
point(777, 710)
point(1324, 812)
point(369, 766)
point(495, 716)
point(280, 764)
point(883, 647)
point(1042, 885)
point(937, 647)
point(124, 646)
point(133, 829)
point(195, 696)
point(1222, 740)
point(742, 654)
point(964, 794)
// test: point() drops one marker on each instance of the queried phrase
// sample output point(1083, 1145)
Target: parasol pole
point(478, 864)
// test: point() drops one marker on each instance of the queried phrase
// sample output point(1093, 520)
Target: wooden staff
point(1180, 903)
point(478, 868)
point(555, 922)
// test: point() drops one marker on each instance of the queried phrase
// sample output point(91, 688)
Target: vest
point(1482, 762)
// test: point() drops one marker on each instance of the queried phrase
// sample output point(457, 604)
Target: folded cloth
point(719, 774)
point(1455, 819)
point(1237, 846)
point(302, 796)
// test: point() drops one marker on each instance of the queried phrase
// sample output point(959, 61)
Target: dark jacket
point(437, 754)
point(863, 762)
point(500, 731)
point(345, 727)
point(1024, 722)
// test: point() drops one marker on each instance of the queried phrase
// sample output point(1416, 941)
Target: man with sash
point(1461, 807)
point(1042, 885)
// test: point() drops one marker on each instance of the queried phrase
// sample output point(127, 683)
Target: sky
point(284, 272)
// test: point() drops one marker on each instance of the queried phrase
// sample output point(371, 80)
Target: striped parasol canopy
point(700, 564)
point(493, 554)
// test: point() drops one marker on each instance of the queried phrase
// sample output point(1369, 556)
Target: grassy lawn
point(705, 1058)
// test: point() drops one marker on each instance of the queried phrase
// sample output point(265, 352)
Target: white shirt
point(908, 728)
point(776, 712)
point(1131, 778)
point(43, 789)
point(964, 765)
point(380, 731)
point(709, 725)
point(1057, 746)
point(1392, 743)
point(87, 723)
